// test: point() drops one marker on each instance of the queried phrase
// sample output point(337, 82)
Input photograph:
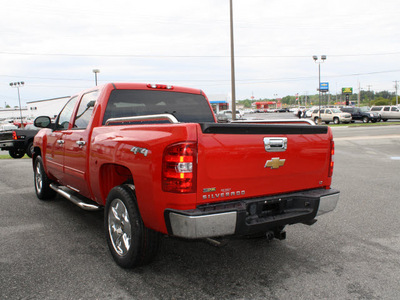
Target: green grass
point(359, 124)
point(6, 156)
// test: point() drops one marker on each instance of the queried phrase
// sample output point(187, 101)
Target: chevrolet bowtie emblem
point(274, 163)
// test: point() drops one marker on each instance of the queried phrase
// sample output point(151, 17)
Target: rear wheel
point(130, 242)
point(384, 120)
point(42, 182)
point(16, 153)
point(29, 149)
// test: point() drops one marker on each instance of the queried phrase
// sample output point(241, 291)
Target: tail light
point(17, 137)
point(179, 168)
point(331, 162)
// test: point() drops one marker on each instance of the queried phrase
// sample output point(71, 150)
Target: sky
point(53, 46)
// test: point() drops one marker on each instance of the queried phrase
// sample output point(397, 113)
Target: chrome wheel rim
point(119, 227)
point(38, 178)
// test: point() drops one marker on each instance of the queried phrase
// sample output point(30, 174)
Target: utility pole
point(319, 62)
point(397, 96)
point(95, 71)
point(359, 94)
point(232, 66)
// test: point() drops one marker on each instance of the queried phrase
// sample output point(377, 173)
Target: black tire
point(384, 120)
point(365, 119)
point(42, 182)
point(130, 242)
point(316, 120)
point(29, 149)
point(373, 121)
point(336, 121)
point(326, 122)
point(16, 153)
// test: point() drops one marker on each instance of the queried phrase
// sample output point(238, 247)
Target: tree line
point(367, 98)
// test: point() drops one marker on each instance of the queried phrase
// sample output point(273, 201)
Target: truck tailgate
point(237, 161)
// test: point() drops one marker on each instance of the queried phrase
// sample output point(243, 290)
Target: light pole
point(319, 62)
point(17, 85)
point(95, 71)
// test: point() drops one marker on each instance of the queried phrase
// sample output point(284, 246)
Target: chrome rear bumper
point(250, 216)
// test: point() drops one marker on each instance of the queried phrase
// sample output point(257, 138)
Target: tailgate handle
point(278, 144)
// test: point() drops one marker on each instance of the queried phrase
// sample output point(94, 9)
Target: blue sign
point(324, 87)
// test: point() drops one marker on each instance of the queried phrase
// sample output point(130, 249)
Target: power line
point(242, 81)
point(183, 56)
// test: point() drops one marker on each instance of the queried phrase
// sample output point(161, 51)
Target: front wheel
point(365, 119)
point(336, 121)
point(130, 242)
point(16, 153)
point(42, 182)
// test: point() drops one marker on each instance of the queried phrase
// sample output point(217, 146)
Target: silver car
point(328, 115)
point(387, 112)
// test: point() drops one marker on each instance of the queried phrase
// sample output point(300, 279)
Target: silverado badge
point(275, 163)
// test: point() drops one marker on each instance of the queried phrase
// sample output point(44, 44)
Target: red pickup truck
point(156, 160)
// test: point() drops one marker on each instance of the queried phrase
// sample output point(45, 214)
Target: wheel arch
point(112, 175)
point(36, 152)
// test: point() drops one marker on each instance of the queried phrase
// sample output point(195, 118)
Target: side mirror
point(91, 104)
point(42, 122)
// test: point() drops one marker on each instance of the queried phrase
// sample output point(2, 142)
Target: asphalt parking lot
point(54, 250)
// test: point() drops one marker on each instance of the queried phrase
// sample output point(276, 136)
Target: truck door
point(76, 146)
point(55, 142)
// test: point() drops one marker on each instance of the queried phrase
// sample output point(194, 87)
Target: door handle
point(60, 142)
point(81, 143)
point(278, 144)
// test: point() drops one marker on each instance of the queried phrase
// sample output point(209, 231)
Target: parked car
point(224, 118)
point(239, 114)
point(296, 110)
point(363, 114)
point(18, 142)
point(387, 112)
point(5, 127)
point(309, 113)
point(328, 115)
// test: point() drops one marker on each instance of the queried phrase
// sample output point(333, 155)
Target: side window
point(64, 117)
point(85, 110)
point(394, 109)
point(328, 111)
point(386, 108)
